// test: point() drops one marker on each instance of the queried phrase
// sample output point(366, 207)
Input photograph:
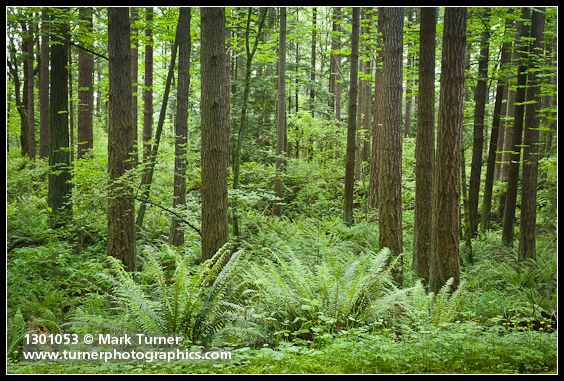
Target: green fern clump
point(189, 302)
point(430, 309)
point(293, 297)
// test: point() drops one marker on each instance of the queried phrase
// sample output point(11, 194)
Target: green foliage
point(307, 298)
point(184, 301)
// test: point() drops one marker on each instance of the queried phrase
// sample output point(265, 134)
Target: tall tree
point(351, 124)
point(181, 121)
point(376, 157)
point(134, 77)
point(390, 178)
point(85, 135)
point(425, 144)
point(527, 241)
point(409, 80)
point(281, 133)
point(59, 192)
point(335, 64)
point(215, 130)
point(30, 90)
point(44, 86)
point(313, 60)
point(480, 97)
point(517, 129)
point(249, 54)
point(492, 154)
point(446, 215)
point(121, 207)
point(148, 88)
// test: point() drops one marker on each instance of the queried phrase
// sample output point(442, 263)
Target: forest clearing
point(281, 190)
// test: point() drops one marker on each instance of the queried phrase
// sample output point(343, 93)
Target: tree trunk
point(85, 135)
point(490, 169)
point(215, 130)
point(30, 94)
point(148, 89)
point(375, 161)
point(243, 121)
point(134, 77)
point(59, 191)
point(446, 217)
point(390, 179)
point(313, 57)
point(181, 123)
point(44, 87)
point(281, 114)
point(527, 241)
point(409, 81)
point(121, 208)
point(480, 96)
point(351, 125)
point(516, 136)
point(425, 145)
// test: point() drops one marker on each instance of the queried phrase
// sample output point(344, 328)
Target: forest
point(281, 190)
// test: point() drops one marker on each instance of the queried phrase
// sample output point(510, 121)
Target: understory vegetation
point(293, 294)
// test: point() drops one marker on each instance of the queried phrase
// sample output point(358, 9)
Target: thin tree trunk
point(147, 178)
point(134, 78)
point(516, 136)
point(500, 91)
point(44, 87)
point(181, 123)
point(480, 96)
point(30, 93)
point(281, 114)
point(243, 121)
point(375, 162)
point(527, 241)
point(85, 135)
point(351, 125)
point(148, 89)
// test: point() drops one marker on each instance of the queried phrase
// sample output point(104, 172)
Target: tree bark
point(30, 93)
point(85, 136)
point(134, 77)
point(121, 208)
point(148, 89)
point(181, 122)
point(59, 191)
point(527, 241)
point(351, 124)
point(425, 145)
point(480, 96)
point(446, 216)
point(390, 179)
point(44, 87)
point(375, 161)
point(215, 130)
point(490, 169)
point(281, 114)
point(517, 132)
